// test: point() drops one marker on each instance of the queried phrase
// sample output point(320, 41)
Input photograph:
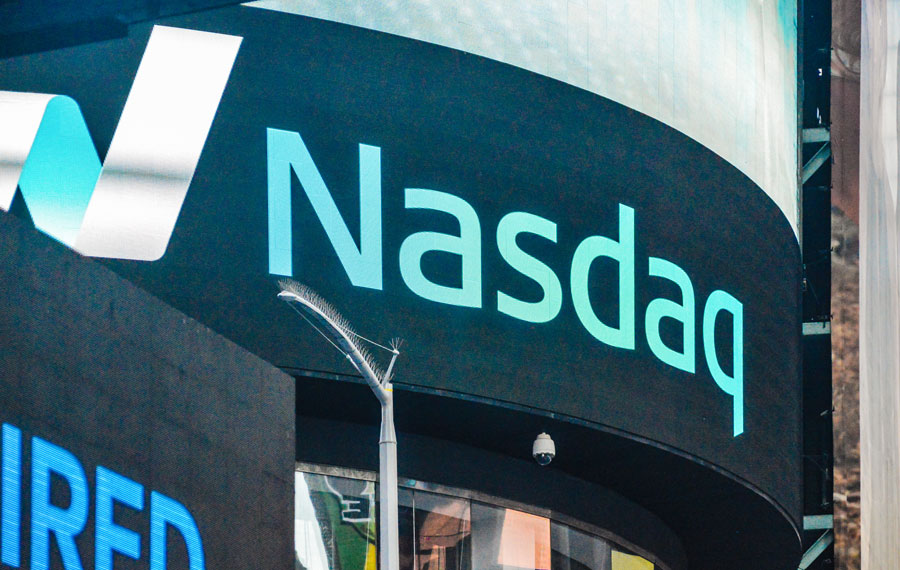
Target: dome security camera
point(543, 450)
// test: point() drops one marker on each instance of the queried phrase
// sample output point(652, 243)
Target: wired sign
point(67, 523)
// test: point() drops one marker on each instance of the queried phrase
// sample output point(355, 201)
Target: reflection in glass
point(344, 512)
point(335, 529)
point(525, 541)
point(506, 539)
point(308, 544)
point(622, 561)
point(576, 550)
point(406, 534)
point(443, 527)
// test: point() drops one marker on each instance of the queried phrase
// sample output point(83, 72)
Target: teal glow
point(467, 245)
point(683, 312)
point(66, 523)
point(110, 537)
point(621, 251)
point(286, 152)
point(61, 171)
point(547, 308)
point(279, 202)
point(165, 511)
point(731, 385)
point(11, 496)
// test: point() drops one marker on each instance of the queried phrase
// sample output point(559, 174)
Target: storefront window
point(507, 539)
point(405, 524)
point(443, 530)
point(342, 512)
point(576, 550)
point(336, 524)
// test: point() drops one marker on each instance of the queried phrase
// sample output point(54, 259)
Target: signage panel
point(117, 415)
point(535, 244)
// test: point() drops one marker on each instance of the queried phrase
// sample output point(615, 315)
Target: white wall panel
point(879, 327)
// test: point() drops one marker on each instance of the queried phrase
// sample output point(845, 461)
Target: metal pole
point(302, 298)
point(389, 539)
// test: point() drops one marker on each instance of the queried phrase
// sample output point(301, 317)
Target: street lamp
point(336, 329)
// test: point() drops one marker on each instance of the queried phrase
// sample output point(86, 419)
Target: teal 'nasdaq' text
point(287, 153)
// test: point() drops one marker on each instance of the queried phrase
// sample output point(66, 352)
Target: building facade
point(582, 219)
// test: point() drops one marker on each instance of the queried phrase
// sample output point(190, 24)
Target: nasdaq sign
point(127, 207)
point(363, 265)
point(538, 245)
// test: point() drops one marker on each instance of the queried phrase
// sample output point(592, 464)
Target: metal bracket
point(816, 135)
point(816, 327)
point(817, 548)
point(818, 522)
point(821, 157)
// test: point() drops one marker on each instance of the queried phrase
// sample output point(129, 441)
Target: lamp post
point(337, 330)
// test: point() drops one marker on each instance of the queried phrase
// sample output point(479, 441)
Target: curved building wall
point(723, 73)
point(530, 240)
point(555, 260)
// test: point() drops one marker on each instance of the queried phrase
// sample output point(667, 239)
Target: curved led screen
point(723, 73)
point(533, 243)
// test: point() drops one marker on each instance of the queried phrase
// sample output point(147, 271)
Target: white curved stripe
point(721, 72)
point(157, 144)
point(131, 211)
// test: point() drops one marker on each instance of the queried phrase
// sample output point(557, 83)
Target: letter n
point(286, 153)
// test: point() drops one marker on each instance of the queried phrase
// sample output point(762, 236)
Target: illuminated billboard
point(535, 244)
point(118, 414)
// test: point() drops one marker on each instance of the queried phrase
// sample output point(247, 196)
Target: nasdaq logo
point(287, 156)
point(125, 208)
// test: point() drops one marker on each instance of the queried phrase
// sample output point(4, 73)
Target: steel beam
point(816, 135)
point(817, 548)
point(821, 157)
point(818, 522)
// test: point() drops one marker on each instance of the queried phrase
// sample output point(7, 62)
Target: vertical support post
point(301, 298)
point(388, 529)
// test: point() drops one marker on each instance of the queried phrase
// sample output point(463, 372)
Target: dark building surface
point(660, 458)
point(118, 378)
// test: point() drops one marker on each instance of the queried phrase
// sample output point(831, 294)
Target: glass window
point(336, 529)
point(622, 561)
point(343, 512)
point(507, 539)
point(406, 530)
point(576, 550)
point(308, 543)
point(443, 529)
